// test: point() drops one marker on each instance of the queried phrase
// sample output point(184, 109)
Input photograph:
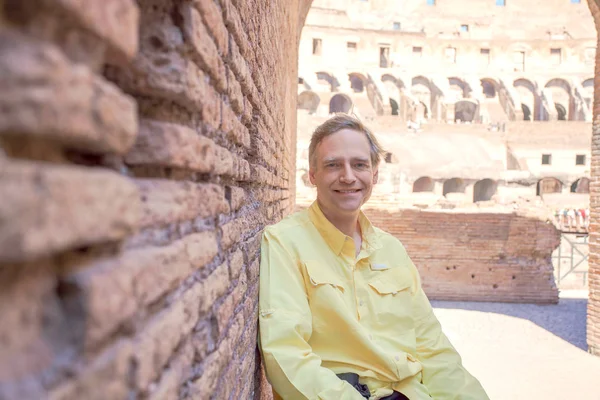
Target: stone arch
point(358, 82)
point(489, 87)
point(423, 184)
point(484, 190)
point(528, 97)
point(421, 91)
point(588, 90)
point(466, 110)
point(340, 103)
point(309, 100)
point(581, 185)
point(562, 98)
point(325, 78)
point(548, 185)
point(454, 185)
point(459, 88)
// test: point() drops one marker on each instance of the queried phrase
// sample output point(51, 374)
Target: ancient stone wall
point(593, 324)
point(477, 256)
point(144, 146)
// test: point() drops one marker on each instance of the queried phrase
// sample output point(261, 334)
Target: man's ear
point(311, 176)
point(375, 175)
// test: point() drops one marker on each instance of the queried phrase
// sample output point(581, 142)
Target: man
point(342, 314)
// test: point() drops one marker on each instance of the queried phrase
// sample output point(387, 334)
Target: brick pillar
point(593, 324)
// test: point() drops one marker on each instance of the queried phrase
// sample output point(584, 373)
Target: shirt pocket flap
point(388, 286)
point(319, 274)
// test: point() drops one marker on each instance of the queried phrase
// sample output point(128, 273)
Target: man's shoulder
point(387, 238)
point(294, 222)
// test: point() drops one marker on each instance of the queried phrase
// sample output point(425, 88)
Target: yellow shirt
point(324, 311)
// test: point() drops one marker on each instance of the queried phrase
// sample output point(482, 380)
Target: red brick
point(197, 35)
point(49, 208)
point(167, 201)
point(213, 18)
point(43, 96)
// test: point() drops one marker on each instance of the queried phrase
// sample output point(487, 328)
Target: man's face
point(343, 172)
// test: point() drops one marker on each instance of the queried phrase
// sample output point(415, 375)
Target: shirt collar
point(334, 237)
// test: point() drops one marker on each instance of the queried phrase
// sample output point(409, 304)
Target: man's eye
point(330, 165)
point(361, 165)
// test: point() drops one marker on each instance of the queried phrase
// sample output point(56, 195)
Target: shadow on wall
point(566, 319)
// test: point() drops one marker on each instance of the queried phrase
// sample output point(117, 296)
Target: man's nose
point(347, 175)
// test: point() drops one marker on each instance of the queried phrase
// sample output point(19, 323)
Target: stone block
point(214, 286)
point(50, 208)
point(236, 263)
point(172, 145)
point(213, 18)
point(115, 21)
point(165, 202)
point(231, 233)
point(43, 95)
point(108, 371)
point(236, 196)
point(197, 35)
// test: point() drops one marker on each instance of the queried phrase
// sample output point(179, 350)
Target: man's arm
point(285, 323)
point(443, 372)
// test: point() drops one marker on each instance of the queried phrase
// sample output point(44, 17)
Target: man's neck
point(346, 223)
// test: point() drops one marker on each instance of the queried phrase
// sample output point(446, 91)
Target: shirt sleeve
point(285, 324)
point(443, 372)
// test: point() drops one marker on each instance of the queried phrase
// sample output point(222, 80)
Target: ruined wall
point(593, 323)
point(144, 146)
point(477, 256)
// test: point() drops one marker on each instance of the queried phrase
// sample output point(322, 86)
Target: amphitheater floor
point(525, 351)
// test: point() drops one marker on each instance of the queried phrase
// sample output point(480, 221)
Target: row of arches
point(483, 190)
point(557, 92)
point(553, 185)
point(339, 103)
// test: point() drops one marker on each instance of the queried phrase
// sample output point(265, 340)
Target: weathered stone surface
point(213, 18)
point(47, 208)
point(171, 145)
point(213, 287)
point(197, 35)
point(113, 290)
point(43, 95)
point(114, 21)
point(166, 202)
point(109, 372)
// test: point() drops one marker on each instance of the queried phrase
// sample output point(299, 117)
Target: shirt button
point(360, 303)
point(397, 358)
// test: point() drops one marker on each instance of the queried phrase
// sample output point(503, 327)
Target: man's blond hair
point(336, 124)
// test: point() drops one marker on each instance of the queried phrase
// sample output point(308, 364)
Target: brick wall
point(593, 324)
point(143, 148)
point(477, 256)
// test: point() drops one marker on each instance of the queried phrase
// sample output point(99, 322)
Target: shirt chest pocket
point(323, 285)
point(391, 298)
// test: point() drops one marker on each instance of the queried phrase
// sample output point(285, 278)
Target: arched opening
point(423, 184)
point(548, 185)
point(526, 112)
point(465, 111)
point(581, 185)
point(394, 106)
point(459, 88)
point(422, 111)
point(489, 88)
point(326, 79)
point(588, 90)
point(340, 103)
point(528, 98)
point(308, 100)
point(561, 96)
point(561, 111)
point(357, 82)
point(454, 185)
point(484, 190)
point(421, 91)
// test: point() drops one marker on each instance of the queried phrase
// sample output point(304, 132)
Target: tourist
point(341, 310)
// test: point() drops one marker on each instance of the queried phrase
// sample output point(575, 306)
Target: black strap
point(364, 391)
